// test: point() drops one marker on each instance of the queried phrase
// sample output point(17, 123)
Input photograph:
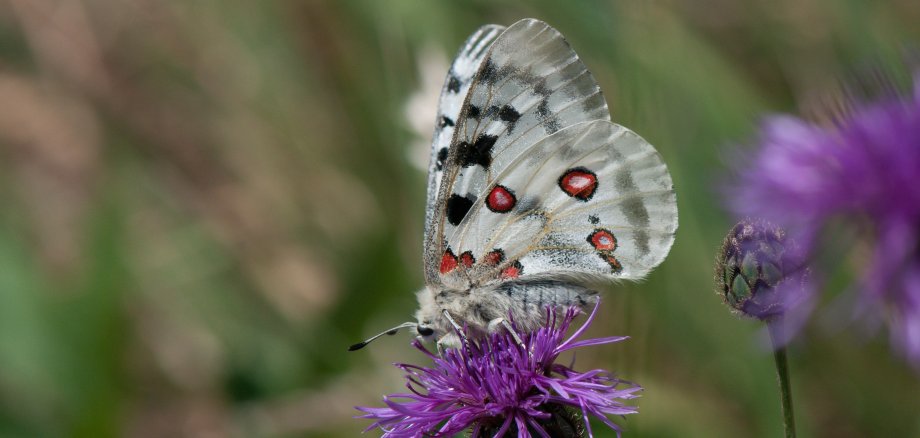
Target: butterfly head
point(430, 326)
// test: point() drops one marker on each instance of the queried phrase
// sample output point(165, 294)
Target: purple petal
point(493, 378)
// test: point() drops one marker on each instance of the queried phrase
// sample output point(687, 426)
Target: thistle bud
point(758, 272)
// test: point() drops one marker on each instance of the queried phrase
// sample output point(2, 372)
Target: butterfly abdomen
point(528, 300)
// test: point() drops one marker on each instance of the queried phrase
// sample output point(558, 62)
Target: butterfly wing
point(453, 93)
point(530, 84)
point(538, 181)
point(592, 199)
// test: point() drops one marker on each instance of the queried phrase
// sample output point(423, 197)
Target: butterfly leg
point(449, 340)
point(440, 347)
point(493, 324)
point(457, 328)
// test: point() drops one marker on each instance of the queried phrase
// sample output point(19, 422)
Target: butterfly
point(535, 198)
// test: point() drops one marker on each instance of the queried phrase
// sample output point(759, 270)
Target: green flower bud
point(757, 269)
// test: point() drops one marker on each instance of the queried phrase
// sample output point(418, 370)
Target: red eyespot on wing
point(494, 257)
point(579, 183)
point(613, 262)
point(513, 271)
point(467, 259)
point(602, 240)
point(448, 261)
point(500, 199)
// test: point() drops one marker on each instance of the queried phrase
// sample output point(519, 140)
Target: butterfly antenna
point(390, 332)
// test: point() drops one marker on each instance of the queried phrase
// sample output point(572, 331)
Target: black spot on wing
point(509, 115)
point(473, 112)
point(479, 152)
point(593, 219)
point(505, 113)
point(489, 72)
point(442, 157)
point(457, 207)
point(453, 84)
point(445, 121)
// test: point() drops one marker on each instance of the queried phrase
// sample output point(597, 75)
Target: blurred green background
point(205, 202)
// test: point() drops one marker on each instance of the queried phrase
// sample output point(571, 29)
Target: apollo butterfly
point(534, 195)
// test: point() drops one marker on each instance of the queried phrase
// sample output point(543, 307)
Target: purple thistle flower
point(861, 172)
point(494, 385)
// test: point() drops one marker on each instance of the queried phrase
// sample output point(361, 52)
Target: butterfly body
point(479, 308)
point(535, 198)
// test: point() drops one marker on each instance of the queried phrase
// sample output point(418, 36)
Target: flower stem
point(782, 374)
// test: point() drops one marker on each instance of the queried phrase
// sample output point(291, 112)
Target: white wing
point(593, 198)
point(537, 180)
point(453, 93)
point(530, 85)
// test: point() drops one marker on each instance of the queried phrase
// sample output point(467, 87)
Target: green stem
point(782, 374)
